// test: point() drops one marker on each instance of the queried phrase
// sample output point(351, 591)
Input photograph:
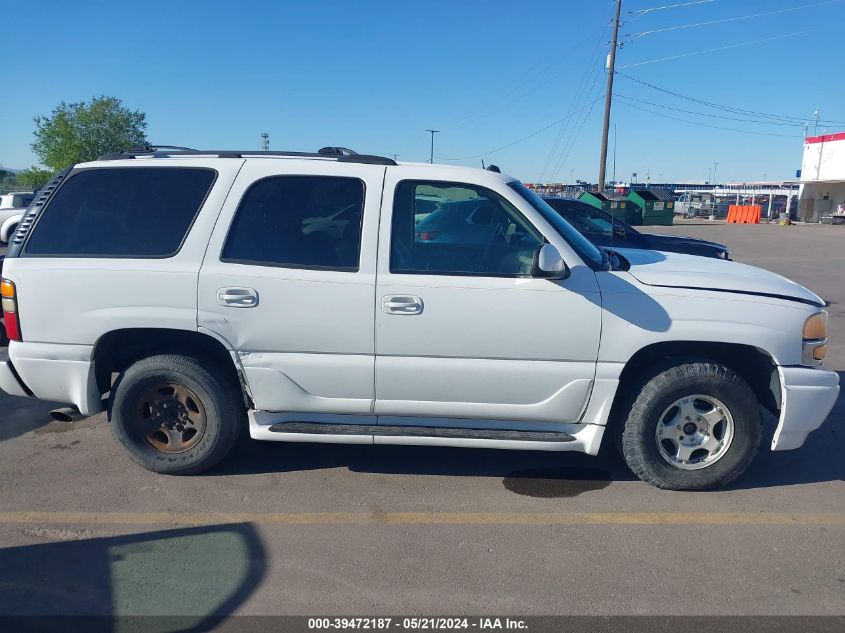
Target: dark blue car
point(602, 229)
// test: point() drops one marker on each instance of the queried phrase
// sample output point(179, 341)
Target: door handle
point(237, 297)
point(402, 304)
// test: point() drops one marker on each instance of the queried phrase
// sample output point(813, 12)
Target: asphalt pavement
point(364, 530)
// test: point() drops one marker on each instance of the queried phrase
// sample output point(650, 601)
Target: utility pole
point(614, 154)
point(608, 97)
point(431, 155)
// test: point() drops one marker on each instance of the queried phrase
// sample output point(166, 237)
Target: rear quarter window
point(121, 212)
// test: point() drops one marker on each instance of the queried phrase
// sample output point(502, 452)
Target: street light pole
point(608, 96)
point(431, 155)
point(715, 165)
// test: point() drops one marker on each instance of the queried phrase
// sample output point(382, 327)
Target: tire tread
point(635, 433)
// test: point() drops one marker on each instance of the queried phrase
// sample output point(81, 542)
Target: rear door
point(289, 282)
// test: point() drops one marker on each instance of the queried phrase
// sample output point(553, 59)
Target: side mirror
point(548, 263)
point(619, 231)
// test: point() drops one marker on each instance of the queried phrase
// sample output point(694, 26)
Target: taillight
point(10, 310)
point(427, 236)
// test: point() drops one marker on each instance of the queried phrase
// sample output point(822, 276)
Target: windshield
point(591, 255)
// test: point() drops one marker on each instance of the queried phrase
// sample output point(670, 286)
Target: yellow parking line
point(427, 518)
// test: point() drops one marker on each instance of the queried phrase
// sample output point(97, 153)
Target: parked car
point(602, 229)
point(12, 206)
point(194, 303)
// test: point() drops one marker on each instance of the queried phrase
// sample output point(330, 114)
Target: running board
point(319, 428)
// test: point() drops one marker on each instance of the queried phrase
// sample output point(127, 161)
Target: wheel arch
point(118, 349)
point(6, 226)
point(754, 365)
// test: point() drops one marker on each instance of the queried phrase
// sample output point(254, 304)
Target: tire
point(658, 428)
point(176, 416)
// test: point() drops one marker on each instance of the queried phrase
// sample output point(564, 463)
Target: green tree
point(33, 178)
point(77, 132)
point(7, 181)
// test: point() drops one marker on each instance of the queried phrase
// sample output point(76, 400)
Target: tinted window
point(20, 202)
point(121, 212)
point(298, 222)
point(444, 228)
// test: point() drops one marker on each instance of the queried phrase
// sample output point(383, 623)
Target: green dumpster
point(612, 203)
point(651, 206)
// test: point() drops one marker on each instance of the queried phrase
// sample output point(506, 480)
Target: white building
point(822, 181)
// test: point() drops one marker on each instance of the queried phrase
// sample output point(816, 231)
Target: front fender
point(636, 316)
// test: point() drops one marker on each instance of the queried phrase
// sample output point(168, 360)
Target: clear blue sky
point(373, 75)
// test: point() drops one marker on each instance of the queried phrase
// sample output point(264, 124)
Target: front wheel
point(176, 416)
point(693, 426)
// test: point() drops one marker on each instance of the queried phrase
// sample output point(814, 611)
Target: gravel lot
point(311, 529)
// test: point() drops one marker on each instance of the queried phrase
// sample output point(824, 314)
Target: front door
point(288, 282)
point(462, 329)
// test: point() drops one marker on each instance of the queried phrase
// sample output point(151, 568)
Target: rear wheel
point(176, 416)
point(693, 426)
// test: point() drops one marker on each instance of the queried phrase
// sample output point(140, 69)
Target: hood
point(673, 270)
point(680, 240)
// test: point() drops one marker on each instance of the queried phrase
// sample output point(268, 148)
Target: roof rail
point(341, 154)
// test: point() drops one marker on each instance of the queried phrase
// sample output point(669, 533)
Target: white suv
point(303, 293)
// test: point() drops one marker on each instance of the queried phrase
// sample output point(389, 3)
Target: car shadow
point(189, 578)
point(531, 473)
point(539, 473)
point(21, 415)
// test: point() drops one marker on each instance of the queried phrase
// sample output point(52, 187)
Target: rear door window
point(121, 212)
point(298, 222)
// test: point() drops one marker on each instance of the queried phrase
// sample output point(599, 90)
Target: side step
point(319, 428)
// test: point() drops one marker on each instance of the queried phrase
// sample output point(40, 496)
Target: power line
point(582, 83)
point(734, 19)
point(734, 110)
point(698, 123)
point(670, 6)
point(524, 138)
point(575, 133)
point(714, 116)
point(574, 140)
point(537, 71)
point(608, 97)
point(644, 12)
point(722, 48)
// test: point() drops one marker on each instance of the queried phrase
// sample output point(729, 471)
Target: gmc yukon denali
point(306, 298)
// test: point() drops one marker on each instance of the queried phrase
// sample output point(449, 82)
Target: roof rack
point(341, 154)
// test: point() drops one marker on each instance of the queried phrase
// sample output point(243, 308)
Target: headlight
point(814, 339)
